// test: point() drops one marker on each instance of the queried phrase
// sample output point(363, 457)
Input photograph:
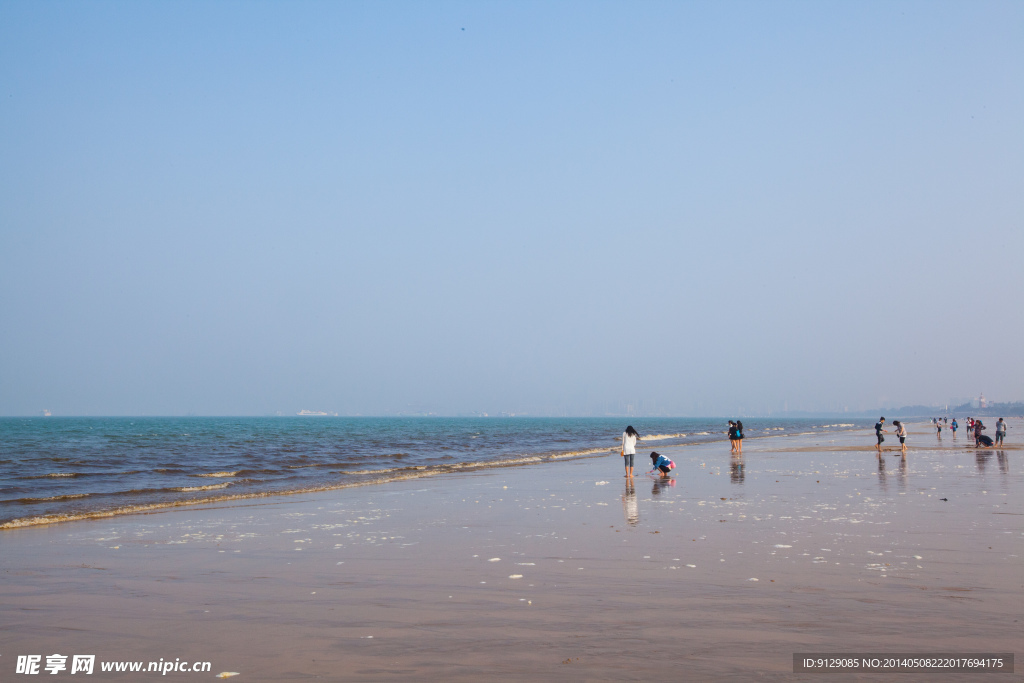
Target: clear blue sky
point(714, 208)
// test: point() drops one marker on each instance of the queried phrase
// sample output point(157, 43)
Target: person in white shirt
point(629, 439)
point(1000, 431)
point(901, 431)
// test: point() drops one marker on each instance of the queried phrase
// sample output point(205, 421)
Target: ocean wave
point(192, 489)
point(218, 474)
point(45, 499)
point(661, 437)
point(73, 475)
point(573, 454)
point(320, 465)
point(369, 477)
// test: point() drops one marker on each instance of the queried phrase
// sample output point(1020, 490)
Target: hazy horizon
point(697, 209)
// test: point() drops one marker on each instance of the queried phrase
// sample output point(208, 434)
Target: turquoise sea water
point(54, 469)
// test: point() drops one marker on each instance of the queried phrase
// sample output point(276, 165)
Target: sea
point(55, 469)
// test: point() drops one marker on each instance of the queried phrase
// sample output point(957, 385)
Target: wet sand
point(421, 579)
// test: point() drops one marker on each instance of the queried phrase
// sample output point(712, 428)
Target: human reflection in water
point(736, 469)
point(883, 480)
point(901, 476)
point(662, 483)
point(981, 459)
point(1004, 462)
point(629, 507)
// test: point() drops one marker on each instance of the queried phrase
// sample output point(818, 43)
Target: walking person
point(879, 428)
point(1000, 431)
point(953, 427)
point(629, 439)
point(739, 436)
point(732, 435)
point(978, 427)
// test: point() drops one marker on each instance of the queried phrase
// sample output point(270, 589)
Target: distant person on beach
point(901, 431)
point(953, 427)
point(739, 436)
point(1000, 431)
point(978, 428)
point(732, 435)
point(629, 438)
point(662, 465)
point(938, 430)
point(879, 428)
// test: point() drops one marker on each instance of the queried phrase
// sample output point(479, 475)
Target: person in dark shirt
point(878, 432)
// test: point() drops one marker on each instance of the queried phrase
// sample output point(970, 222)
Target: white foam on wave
point(68, 496)
point(661, 437)
point(219, 474)
point(211, 487)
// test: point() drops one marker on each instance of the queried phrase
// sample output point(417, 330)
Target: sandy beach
point(552, 572)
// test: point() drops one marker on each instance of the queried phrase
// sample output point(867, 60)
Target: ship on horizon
point(314, 413)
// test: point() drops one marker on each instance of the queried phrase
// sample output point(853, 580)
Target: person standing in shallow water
point(1000, 431)
point(901, 431)
point(878, 432)
point(739, 436)
point(629, 439)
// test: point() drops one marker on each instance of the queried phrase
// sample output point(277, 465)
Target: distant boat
point(47, 413)
point(312, 413)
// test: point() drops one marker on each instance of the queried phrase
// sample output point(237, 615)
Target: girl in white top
point(629, 439)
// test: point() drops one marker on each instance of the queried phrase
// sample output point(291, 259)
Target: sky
point(549, 208)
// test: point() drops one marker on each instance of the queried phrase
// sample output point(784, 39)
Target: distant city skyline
point(635, 408)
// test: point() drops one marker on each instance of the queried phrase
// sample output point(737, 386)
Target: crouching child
point(662, 465)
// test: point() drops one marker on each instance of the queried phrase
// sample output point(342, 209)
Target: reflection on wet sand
point(629, 507)
point(736, 469)
point(662, 483)
point(981, 458)
point(901, 474)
